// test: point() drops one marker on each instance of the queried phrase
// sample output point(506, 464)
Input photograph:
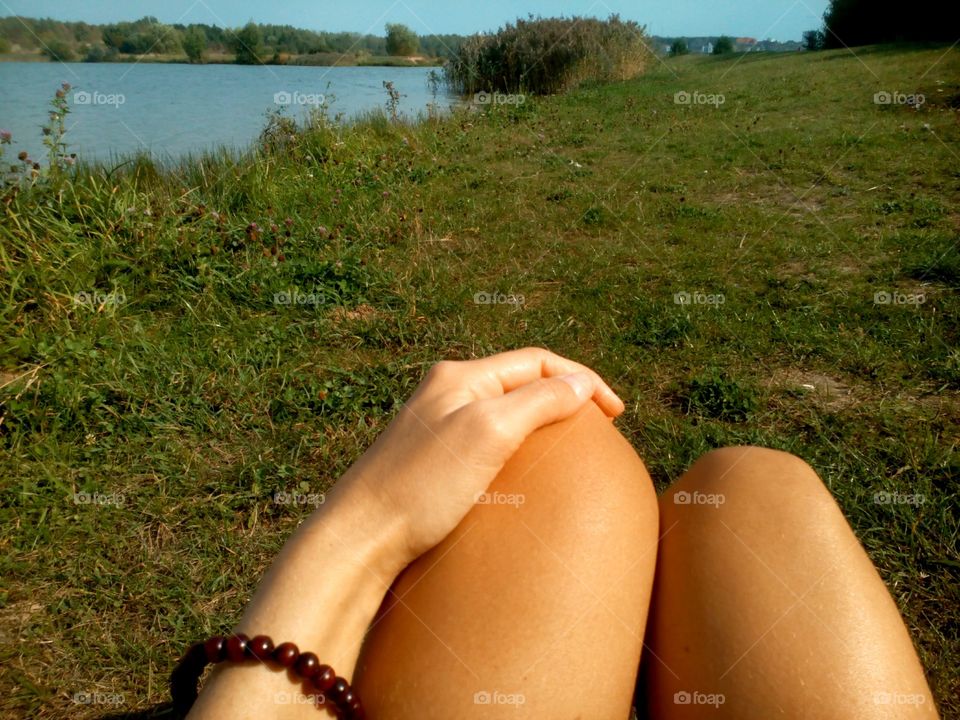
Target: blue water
point(170, 110)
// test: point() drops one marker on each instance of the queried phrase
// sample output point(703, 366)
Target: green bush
point(723, 46)
point(401, 40)
point(58, 50)
point(714, 395)
point(547, 56)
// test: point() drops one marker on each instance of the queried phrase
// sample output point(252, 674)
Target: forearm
point(321, 592)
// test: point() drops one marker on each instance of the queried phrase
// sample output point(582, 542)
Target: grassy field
point(779, 268)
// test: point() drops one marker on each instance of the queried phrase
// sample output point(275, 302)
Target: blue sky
point(777, 19)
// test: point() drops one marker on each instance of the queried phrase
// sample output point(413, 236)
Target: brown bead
point(324, 678)
point(286, 654)
point(348, 697)
point(237, 647)
point(307, 665)
point(337, 690)
point(216, 649)
point(355, 710)
point(196, 658)
point(260, 648)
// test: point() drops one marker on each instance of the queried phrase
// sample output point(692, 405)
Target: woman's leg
point(535, 606)
point(765, 605)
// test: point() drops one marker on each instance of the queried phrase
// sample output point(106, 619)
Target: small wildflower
point(253, 231)
point(61, 94)
point(288, 222)
point(214, 215)
point(23, 156)
point(322, 230)
point(66, 87)
point(274, 228)
point(386, 193)
point(5, 137)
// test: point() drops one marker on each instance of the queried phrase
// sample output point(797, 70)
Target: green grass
point(183, 401)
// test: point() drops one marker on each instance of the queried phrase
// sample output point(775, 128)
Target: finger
point(538, 403)
point(505, 372)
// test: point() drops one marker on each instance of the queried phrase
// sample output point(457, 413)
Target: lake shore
point(314, 59)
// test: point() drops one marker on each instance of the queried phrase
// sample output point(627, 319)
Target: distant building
point(707, 49)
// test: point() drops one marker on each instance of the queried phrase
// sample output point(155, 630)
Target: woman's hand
point(402, 497)
point(462, 424)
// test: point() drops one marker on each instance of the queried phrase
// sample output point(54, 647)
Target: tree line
point(252, 44)
point(850, 23)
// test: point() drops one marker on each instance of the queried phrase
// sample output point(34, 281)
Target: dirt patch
point(828, 392)
point(360, 312)
point(15, 617)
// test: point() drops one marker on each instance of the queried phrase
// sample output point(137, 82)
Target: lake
point(170, 110)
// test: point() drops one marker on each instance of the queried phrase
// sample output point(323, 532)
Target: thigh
point(766, 605)
point(535, 606)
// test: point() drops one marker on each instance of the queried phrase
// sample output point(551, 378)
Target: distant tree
point(247, 44)
point(4, 45)
point(114, 36)
point(401, 40)
point(679, 47)
point(194, 43)
point(723, 46)
point(864, 22)
point(813, 40)
point(58, 50)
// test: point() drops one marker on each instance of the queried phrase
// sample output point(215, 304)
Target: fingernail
point(581, 383)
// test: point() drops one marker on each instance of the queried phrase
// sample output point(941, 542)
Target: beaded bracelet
point(237, 648)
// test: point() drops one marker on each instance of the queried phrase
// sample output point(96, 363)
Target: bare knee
point(747, 481)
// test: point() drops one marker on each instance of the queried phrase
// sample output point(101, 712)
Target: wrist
point(326, 585)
